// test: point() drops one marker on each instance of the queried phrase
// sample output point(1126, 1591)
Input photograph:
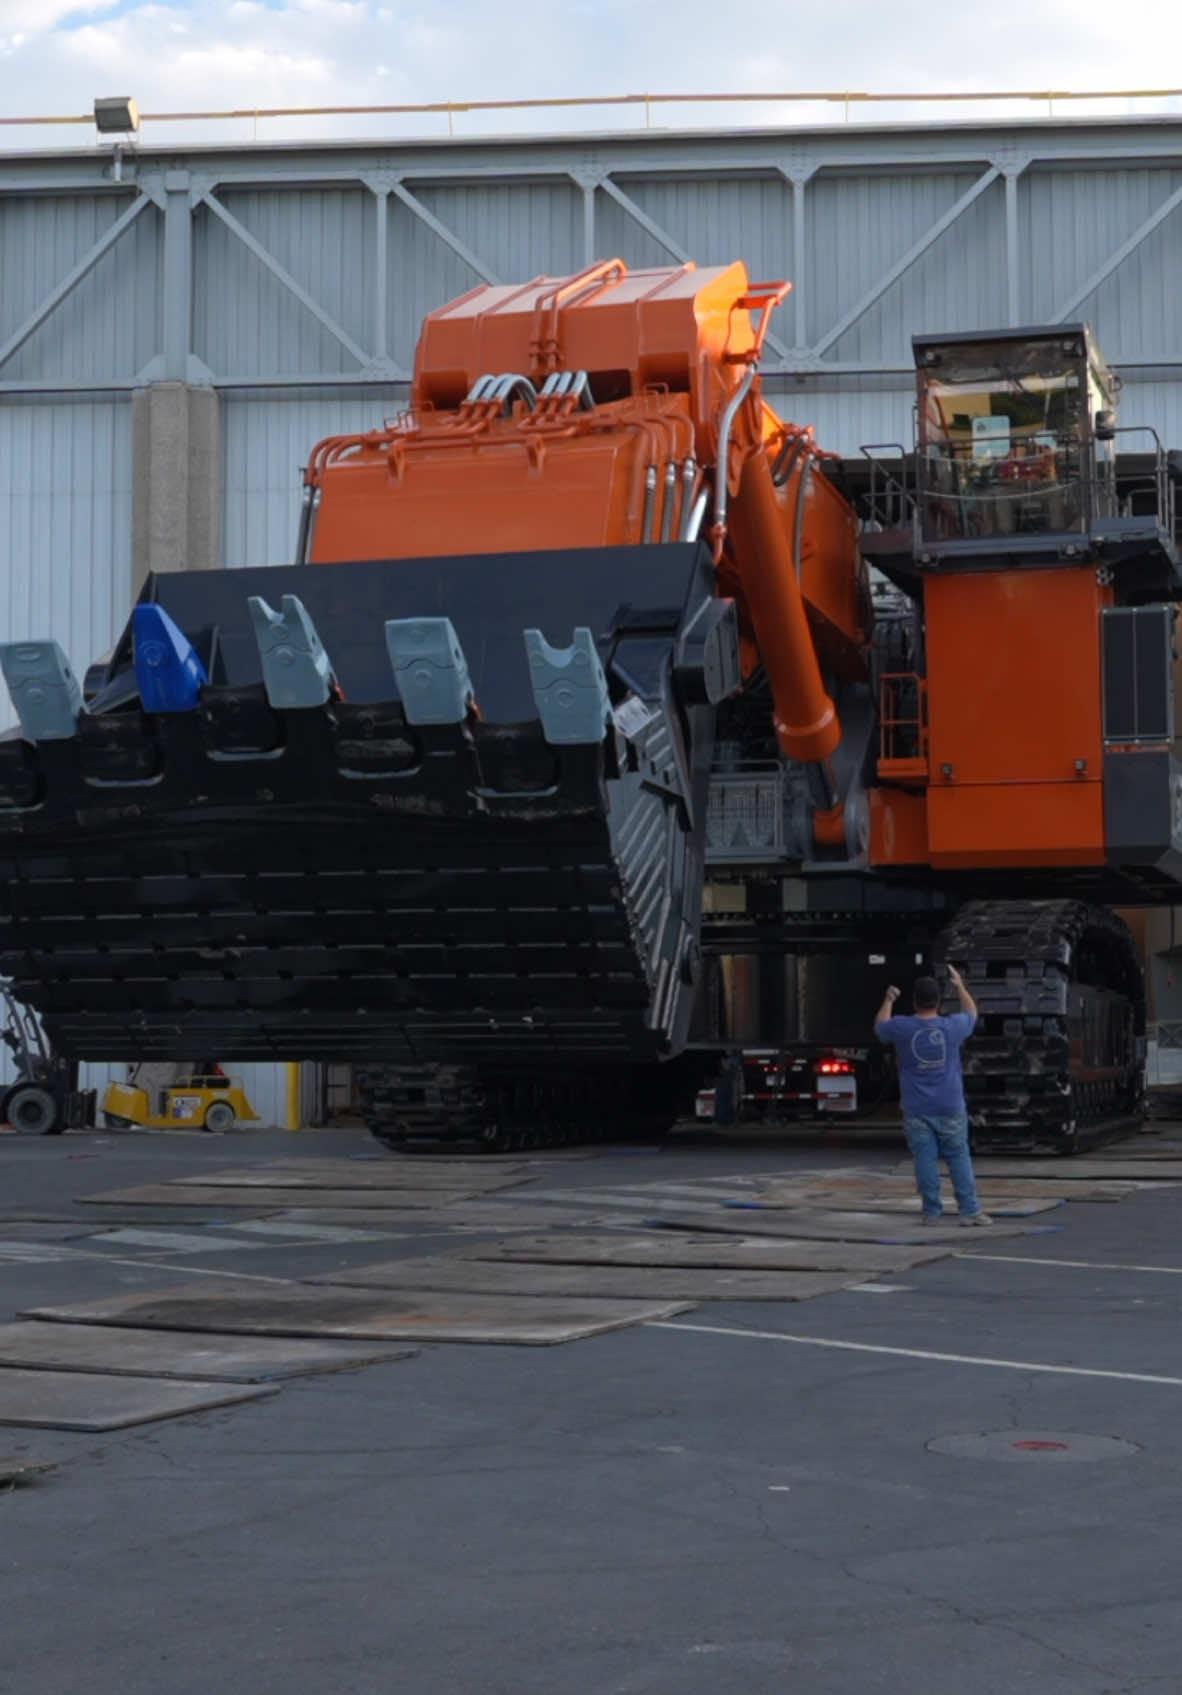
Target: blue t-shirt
point(928, 1051)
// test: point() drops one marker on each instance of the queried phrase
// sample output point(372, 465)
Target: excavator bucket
point(395, 810)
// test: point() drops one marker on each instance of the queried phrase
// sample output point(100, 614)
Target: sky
point(173, 55)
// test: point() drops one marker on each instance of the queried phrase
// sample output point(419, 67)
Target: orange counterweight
point(1015, 741)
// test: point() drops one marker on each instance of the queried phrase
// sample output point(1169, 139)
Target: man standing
point(935, 1121)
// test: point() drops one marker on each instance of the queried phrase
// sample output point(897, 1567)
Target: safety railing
point(902, 727)
point(851, 103)
point(1159, 483)
point(890, 499)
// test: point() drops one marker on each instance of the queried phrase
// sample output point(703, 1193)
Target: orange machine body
point(1009, 767)
point(1012, 769)
point(668, 356)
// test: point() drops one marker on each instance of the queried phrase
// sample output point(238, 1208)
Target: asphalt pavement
point(964, 1478)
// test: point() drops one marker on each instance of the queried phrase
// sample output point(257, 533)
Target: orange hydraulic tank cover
point(632, 328)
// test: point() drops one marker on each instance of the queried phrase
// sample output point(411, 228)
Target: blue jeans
point(930, 1140)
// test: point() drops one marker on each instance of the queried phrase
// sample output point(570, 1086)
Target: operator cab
point(1015, 462)
point(1015, 435)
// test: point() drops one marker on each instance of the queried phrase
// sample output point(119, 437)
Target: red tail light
point(834, 1067)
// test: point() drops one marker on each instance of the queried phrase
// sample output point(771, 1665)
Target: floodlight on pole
point(118, 115)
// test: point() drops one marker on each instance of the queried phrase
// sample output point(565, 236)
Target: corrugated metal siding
point(423, 272)
point(266, 1090)
point(109, 326)
point(1071, 221)
point(266, 440)
point(245, 321)
point(65, 524)
point(844, 419)
point(519, 229)
point(860, 226)
point(1154, 403)
point(717, 220)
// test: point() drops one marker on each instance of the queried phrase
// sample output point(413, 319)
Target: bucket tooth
point(430, 670)
point(569, 687)
point(44, 690)
point(168, 672)
point(296, 669)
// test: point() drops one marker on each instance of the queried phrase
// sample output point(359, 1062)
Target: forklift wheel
point(219, 1115)
point(33, 1111)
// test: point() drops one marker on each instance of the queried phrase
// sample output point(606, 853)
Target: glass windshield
point(1002, 429)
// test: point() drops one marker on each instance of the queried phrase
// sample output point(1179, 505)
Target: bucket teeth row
point(570, 688)
point(44, 690)
point(168, 672)
point(430, 670)
point(296, 670)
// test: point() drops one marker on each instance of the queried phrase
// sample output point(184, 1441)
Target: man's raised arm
point(967, 1003)
point(887, 1007)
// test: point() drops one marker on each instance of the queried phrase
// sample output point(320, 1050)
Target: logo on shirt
point(929, 1049)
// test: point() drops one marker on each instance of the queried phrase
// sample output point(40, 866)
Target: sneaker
point(931, 1218)
point(972, 1220)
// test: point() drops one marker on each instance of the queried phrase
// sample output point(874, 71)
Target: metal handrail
point(1163, 485)
point(891, 502)
point(846, 98)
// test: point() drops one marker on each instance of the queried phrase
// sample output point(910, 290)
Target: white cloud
point(24, 16)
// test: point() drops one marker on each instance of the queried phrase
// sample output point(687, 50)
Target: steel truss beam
point(916, 251)
point(72, 278)
point(439, 228)
point(1140, 235)
point(664, 239)
point(284, 278)
point(1006, 153)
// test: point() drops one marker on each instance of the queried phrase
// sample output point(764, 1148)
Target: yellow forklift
point(159, 1096)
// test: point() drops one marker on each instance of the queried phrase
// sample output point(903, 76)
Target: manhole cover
point(1030, 1446)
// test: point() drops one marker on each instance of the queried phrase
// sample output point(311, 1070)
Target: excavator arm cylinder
point(807, 725)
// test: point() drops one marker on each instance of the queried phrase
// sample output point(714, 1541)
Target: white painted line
point(916, 1353)
point(145, 1264)
point(610, 1198)
point(1076, 1264)
point(873, 1288)
point(194, 1270)
point(312, 1234)
point(174, 1241)
point(38, 1253)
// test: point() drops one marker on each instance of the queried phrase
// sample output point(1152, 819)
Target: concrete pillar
point(176, 480)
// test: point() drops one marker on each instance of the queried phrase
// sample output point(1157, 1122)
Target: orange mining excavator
point(584, 632)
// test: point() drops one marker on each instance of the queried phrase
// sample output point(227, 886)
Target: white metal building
point(291, 280)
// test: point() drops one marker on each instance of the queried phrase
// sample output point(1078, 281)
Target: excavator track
point(1058, 1058)
point(439, 1108)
